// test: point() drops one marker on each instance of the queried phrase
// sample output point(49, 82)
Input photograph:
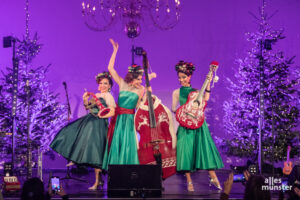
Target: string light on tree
point(279, 94)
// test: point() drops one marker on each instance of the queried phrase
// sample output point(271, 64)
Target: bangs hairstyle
point(104, 75)
point(109, 80)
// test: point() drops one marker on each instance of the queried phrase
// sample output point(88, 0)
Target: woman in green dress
point(195, 147)
point(84, 140)
point(122, 141)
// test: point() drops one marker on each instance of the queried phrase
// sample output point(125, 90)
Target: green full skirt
point(83, 141)
point(197, 150)
point(123, 148)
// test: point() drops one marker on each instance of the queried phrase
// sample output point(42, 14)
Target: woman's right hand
point(85, 96)
point(61, 192)
point(228, 184)
point(114, 44)
point(246, 175)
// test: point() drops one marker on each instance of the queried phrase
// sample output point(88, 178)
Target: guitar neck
point(288, 155)
point(201, 91)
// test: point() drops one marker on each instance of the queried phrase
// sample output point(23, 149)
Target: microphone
point(65, 84)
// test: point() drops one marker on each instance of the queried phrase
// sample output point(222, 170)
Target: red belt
point(111, 128)
point(120, 110)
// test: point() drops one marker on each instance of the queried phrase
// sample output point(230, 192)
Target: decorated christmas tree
point(38, 111)
point(46, 115)
point(263, 87)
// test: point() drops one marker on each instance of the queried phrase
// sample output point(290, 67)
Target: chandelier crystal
point(100, 15)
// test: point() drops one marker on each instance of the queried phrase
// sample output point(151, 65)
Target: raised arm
point(111, 64)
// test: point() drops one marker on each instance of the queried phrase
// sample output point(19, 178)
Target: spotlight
point(268, 44)
point(8, 41)
point(139, 51)
point(8, 169)
point(253, 169)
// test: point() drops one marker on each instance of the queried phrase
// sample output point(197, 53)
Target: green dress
point(123, 148)
point(195, 147)
point(83, 141)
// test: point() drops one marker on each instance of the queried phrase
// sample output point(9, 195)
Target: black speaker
point(134, 181)
point(7, 41)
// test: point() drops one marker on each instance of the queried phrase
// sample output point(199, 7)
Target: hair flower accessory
point(135, 69)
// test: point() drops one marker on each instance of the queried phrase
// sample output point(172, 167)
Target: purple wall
point(208, 30)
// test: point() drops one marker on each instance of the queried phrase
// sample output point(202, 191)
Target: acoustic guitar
point(191, 114)
point(288, 165)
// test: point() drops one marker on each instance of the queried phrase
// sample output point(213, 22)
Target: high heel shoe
point(215, 182)
point(94, 187)
point(190, 187)
point(70, 164)
point(101, 181)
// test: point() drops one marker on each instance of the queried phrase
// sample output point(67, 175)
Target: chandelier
point(100, 15)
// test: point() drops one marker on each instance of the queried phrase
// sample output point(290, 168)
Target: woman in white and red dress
point(84, 140)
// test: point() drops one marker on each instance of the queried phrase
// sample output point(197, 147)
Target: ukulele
point(287, 169)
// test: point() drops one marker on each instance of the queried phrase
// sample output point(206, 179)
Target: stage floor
point(174, 187)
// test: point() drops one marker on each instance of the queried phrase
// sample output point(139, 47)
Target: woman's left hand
point(228, 184)
point(100, 115)
point(297, 191)
point(114, 44)
point(149, 89)
point(152, 75)
point(61, 191)
point(209, 77)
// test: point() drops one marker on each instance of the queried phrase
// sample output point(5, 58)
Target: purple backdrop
point(207, 31)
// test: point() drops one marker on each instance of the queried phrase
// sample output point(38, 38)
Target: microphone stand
point(68, 102)
point(68, 176)
point(29, 150)
point(10, 41)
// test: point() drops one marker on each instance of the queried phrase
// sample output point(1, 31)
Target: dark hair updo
point(185, 67)
point(134, 71)
point(104, 75)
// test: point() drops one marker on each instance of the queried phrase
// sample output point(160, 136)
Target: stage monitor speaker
point(134, 181)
